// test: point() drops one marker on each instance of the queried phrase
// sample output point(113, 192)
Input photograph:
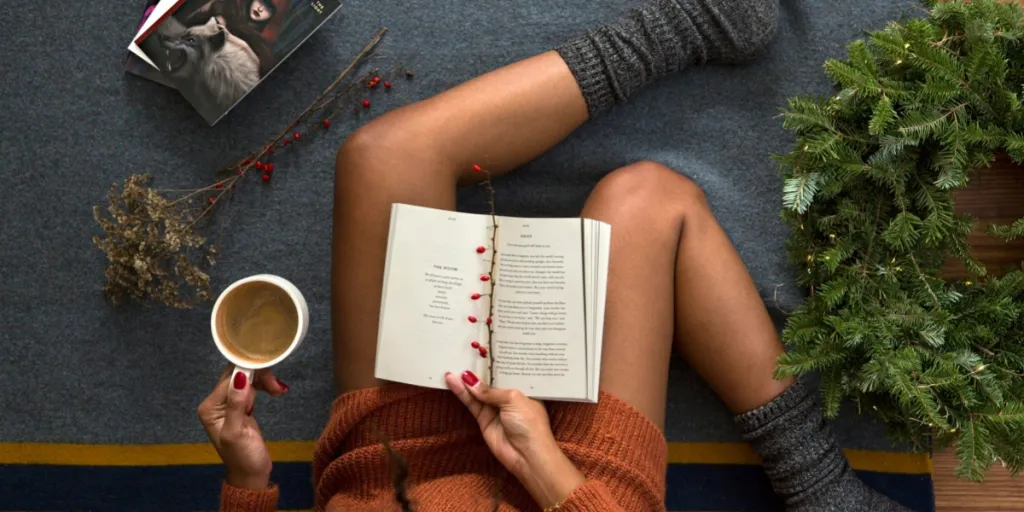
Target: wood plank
point(999, 492)
point(994, 195)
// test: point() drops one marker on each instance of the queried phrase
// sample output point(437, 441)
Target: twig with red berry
point(489, 276)
point(155, 252)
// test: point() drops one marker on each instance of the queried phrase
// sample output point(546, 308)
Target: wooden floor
point(994, 196)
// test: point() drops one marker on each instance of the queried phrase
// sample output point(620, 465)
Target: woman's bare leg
point(673, 270)
point(722, 327)
point(418, 155)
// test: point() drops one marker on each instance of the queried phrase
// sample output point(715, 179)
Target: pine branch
point(919, 105)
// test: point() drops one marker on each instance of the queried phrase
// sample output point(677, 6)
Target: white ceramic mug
point(246, 366)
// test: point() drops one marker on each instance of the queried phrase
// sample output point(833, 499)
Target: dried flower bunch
point(156, 252)
point(153, 250)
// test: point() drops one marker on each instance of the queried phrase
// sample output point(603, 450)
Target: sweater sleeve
point(804, 462)
point(233, 499)
point(592, 495)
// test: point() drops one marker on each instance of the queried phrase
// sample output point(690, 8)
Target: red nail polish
point(282, 384)
point(483, 352)
point(475, 296)
point(472, 319)
point(485, 278)
point(470, 378)
point(239, 381)
point(475, 344)
point(477, 168)
point(481, 250)
point(488, 320)
point(249, 412)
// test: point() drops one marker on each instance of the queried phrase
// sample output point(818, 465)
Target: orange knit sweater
point(622, 454)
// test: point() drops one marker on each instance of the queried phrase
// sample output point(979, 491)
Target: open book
point(534, 306)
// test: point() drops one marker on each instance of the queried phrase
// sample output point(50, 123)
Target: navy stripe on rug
point(178, 488)
point(746, 488)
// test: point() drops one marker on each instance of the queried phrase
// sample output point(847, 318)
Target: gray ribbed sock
point(802, 459)
point(662, 37)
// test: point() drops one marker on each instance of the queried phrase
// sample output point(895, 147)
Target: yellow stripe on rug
point(742, 453)
point(302, 451)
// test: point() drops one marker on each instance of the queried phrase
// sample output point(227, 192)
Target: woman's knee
point(646, 193)
point(388, 149)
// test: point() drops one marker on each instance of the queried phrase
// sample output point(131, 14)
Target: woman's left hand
point(517, 430)
point(226, 416)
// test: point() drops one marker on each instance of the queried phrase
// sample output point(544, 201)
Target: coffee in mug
point(258, 321)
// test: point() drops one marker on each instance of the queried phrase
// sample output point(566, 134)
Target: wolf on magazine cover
point(216, 51)
point(133, 64)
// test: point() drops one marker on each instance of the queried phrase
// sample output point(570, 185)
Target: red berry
point(286, 142)
point(475, 344)
point(266, 177)
point(246, 161)
point(481, 250)
point(485, 278)
point(219, 185)
point(371, 85)
point(212, 200)
point(475, 296)
point(387, 85)
point(488, 320)
point(268, 167)
point(472, 319)
point(270, 150)
point(366, 103)
point(477, 168)
point(259, 165)
point(326, 123)
point(483, 352)
point(296, 135)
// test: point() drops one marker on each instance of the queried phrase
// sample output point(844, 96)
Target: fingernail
point(469, 378)
point(249, 412)
point(239, 381)
point(282, 384)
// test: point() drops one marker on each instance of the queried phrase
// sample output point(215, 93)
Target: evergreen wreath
point(868, 198)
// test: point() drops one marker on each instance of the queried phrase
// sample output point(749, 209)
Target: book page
point(432, 270)
point(540, 342)
point(597, 240)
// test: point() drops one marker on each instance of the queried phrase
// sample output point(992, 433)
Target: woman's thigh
point(644, 204)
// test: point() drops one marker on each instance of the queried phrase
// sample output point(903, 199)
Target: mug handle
point(247, 371)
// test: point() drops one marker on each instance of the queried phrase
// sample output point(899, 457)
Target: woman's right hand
point(518, 432)
point(226, 416)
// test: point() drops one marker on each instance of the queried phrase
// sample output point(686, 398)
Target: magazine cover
point(135, 65)
point(216, 51)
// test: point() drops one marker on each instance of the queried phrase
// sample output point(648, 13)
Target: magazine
point(136, 63)
point(216, 51)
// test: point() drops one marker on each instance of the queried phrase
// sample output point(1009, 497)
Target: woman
point(477, 448)
point(257, 22)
